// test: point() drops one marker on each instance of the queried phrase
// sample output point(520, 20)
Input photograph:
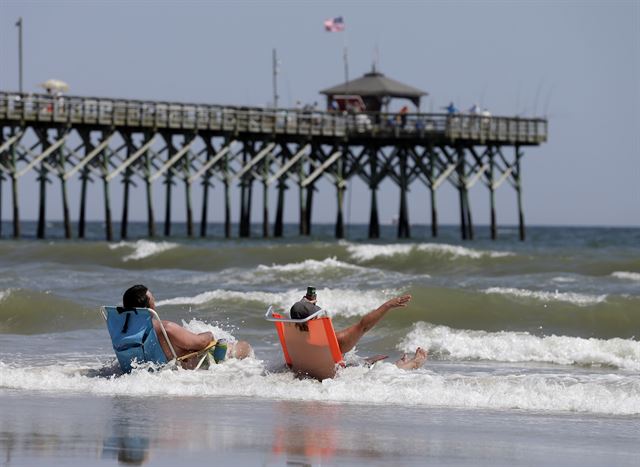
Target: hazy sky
point(576, 62)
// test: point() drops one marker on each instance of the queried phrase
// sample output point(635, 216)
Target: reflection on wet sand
point(312, 433)
point(292, 437)
point(130, 450)
point(128, 441)
point(38, 429)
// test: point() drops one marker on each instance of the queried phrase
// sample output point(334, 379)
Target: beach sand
point(41, 429)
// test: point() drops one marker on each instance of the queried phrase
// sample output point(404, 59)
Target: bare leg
point(413, 363)
point(185, 341)
point(182, 340)
point(349, 337)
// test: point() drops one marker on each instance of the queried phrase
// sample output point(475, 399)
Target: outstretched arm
point(349, 337)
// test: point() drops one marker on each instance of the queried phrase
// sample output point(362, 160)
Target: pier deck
point(199, 142)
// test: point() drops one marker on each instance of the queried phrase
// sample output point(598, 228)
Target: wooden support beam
point(187, 195)
point(340, 187)
point(105, 191)
point(151, 221)
point(247, 213)
point(278, 226)
point(461, 191)
point(472, 181)
point(374, 221)
point(403, 217)
point(173, 159)
point(227, 210)
point(14, 191)
point(211, 162)
point(492, 198)
point(43, 155)
point(1, 177)
point(205, 189)
point(131, 158)
point(433, 189)
point(265, 195)
point(308, 209)
point(61, 162)
point(133, 154)
point(285, 168)
point(246, 185)
point(518, 183)
point(470, 232)
point(326, 164)
point(302, 209)
point(84, 177)
point(444, 175)
point(9, 143)
point(502, 178)
point(257, 158)
point(89, 157)
point(124, 223)
point(168, 181)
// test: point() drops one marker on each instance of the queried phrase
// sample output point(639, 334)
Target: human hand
point(399, 302)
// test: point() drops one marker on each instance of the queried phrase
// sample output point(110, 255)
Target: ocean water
point(549, 326)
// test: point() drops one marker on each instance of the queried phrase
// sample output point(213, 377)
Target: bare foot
point(240, 350)
point(414, 363)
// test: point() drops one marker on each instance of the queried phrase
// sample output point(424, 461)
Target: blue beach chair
point(134, 339)
point(133, 336)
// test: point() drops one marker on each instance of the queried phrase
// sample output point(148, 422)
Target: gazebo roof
point(375, 84)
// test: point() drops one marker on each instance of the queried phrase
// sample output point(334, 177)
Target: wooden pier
point(103, 140)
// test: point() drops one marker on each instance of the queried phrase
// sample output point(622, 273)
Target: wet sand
point(41, 429)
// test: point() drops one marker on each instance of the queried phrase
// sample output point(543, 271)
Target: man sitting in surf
point(349, 337)
point(184, 341)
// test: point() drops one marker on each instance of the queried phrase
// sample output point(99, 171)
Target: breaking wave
point(632, 276)
point(311, 265)
point(569, 297)
point(368, 252)
point(505, 346)
point(143, 248)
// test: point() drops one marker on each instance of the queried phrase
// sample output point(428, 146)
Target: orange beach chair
point(309, 345)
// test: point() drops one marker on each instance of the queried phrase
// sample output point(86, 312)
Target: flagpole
point(19, 25)
point(275, 80)
point(345, 56)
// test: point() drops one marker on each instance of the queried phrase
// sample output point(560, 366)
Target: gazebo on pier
point(376, 91)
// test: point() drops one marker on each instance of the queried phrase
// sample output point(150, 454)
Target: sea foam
point(383, 383)
point(368, 252)
point(522, 347)
point(569, 297)
point(143, 248)
point(631, 276)
point(343, 302)
point(311, 265)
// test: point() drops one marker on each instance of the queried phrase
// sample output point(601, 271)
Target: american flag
point(334, 24)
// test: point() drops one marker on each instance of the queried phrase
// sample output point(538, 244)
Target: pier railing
point(73, 110)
